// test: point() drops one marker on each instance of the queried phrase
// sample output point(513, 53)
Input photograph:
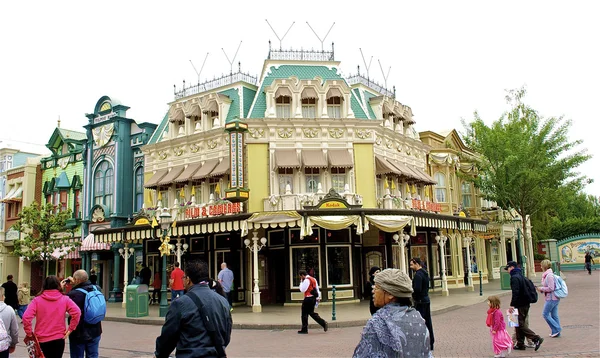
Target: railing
point(358, 78)
point(301, 55)
point(215, 83)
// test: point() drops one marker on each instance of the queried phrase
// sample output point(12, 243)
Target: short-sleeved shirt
point(177, 277)
point(226, 279)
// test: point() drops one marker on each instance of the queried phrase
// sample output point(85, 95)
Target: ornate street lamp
point(125, 252)
point(255, 248)
point(441, 240)
point(179, 249)
point(402, 240)
point(165, 222)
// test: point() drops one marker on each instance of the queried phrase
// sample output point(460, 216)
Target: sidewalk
point(277, 317)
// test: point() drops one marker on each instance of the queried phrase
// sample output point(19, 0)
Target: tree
point(39, 227)
point(526, 159)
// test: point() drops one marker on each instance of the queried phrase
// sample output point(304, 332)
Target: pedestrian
point(589, 260)
point(551, 302)
point(10, 293)
point(156, 285)
point(225, 278)
point(145, 274)
point(9, 320)
point(397, 329)
point(49, 309)
point(521, 302)
point(93, 277)
point(501, 340)
point(136, 280)
point(420, 295)
point(196, 334)
point(176, 282)
point(216, 287)
point(86, 337)
point(24, 297)
point(312, 295)
point(372, 272)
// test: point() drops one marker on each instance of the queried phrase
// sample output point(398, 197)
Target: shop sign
point(426, 205)
point(213, 210)
point(12, 235)
point(142, 221)
point(104, 117)
point(334, 204)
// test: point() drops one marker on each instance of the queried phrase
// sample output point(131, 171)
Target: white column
point(255, 248)
point(467, 243)
point(402, 240)
point(178, 252)
point(441, 240)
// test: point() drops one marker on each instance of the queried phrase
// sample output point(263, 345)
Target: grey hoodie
point(8, 316)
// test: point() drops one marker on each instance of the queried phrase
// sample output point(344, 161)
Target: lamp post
point(255, 248)
point(125, 252)
point(441, 240)
point(165, 222)
point(467, 243)
point(179, 249)
point(402, 240)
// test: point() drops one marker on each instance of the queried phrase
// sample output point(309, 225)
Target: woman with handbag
point(49, 309)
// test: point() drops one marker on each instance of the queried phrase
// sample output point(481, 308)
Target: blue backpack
point(560, 287)
point(94, 307)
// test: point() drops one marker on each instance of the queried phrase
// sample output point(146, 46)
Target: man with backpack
point(523, 295)
point(85, 339)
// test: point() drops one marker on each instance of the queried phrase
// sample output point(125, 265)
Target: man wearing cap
point(520, 301)
point(420, 285)
point(396, 329)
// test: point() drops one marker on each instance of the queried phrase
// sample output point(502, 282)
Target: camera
point(67, 281)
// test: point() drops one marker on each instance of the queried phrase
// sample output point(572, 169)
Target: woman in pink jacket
point(550, 311)
point(49, 309)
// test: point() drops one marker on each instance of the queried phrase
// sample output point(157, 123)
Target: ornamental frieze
point(285, 132)
point(257, 133)
point(310, 132)
point(336, 133)
point(378, 140)
point(194, 148)
point(162, 155)
point(178, 151)
point(389, 144)
point(212, 143)
point(363, 133)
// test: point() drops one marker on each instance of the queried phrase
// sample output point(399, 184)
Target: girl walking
point(501, 341)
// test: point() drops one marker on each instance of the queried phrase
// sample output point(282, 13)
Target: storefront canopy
point(89, 244)
point(153, 181)
point(206, 169)
point(170, 178)
point(286, 158)
point(340, 158)
point(391, 223)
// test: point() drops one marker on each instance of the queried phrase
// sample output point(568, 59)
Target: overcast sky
point(447, 58)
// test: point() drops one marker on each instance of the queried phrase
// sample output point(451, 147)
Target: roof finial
point(58, 122)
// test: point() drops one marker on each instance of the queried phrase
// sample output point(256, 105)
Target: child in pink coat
point(49, 309)
point(501, 340)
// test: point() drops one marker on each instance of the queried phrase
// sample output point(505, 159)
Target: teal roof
point(286, 71)
point(69, 134)
point(248, 99)
point(62, 182)
point(162, 127)
point(368, 95)
point(356, 107)
point(234, 108)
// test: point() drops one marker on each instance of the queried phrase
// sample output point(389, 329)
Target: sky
point(446, 59)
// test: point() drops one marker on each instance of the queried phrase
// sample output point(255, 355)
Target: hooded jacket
point(517, 285)
point(49, 311)
point(24, 296)
point(10, 322)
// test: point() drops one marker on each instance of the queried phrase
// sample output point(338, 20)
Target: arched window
point(104, 184)
point(466, 194)
point(440, 188)
point(138, 200)
point(283, 103)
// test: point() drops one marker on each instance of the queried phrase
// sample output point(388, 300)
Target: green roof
point(162, 127)
point(249, 94)
point(356, 107)
point(69, 134)
point(286, 71)
point(234, 109)
point(62, 182)
point(368, 95)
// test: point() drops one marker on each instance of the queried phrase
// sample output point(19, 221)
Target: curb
point(285, 326)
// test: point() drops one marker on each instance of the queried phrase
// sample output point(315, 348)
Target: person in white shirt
point(310, 287)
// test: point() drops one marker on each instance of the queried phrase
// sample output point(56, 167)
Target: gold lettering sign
point(333, 205)
point(142, 221)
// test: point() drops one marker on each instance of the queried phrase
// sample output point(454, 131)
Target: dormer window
point(212, 114)
point(309, 103)
point(334, 103)
point(283, 106)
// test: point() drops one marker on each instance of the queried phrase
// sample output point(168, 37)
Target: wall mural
point(574, 252)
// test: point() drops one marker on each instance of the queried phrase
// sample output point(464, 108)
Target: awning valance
point(170, 178)
point(406, 171)
point(335, 222)
point(208, 167)
point(188, 173)
point(88, 244)
point(10, 193)
point(391, 223)
point(66, 252)
point(309, 92)
point(334, 92)
point(273, 220)
point(153, 181)
point(423, 176)
point(286, 158)
point(208, 228)
point(340, 158)
point(313, 158)
point(283, 91)
point(222, 168)
point(383, 167)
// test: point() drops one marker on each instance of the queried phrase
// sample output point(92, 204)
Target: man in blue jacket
point(185, 328)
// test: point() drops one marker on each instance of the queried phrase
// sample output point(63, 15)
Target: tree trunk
point(526, 245)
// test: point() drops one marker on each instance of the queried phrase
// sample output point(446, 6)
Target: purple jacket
point(548, 285)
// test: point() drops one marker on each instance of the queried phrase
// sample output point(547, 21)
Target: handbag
point(208, 324)
point(33, 347)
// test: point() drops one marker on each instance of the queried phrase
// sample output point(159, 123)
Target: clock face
point(105, 106)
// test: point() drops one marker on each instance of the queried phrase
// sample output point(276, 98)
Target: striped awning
point(221, 169)
point(208, 167)
point(224, 226)
point(65, 253)
point(89, 244)
point(383, 167)
point(439, 223)
point(153, 181)
point(171, 176)
point(340, 158)
point(313, 158)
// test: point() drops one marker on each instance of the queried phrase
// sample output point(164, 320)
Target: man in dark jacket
point(520, 301)
point(184, 328)
point(10, 292)
point(145, 274)
point(421, 300)
point(85, 339)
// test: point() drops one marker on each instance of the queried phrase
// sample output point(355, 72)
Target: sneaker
point(530, 344)
point(302, 332)
point(554, 335)
point(519, 347)
point(538, 343)
point(326, 327)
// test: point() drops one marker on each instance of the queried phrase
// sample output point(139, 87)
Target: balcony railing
point(299, 201)
point(215, 83)
point(358, 78)
point(301, 55)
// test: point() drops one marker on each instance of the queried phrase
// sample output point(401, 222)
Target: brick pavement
point(459, 333)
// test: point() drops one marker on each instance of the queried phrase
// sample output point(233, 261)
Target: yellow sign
point(142, 221)
point(333, 205)
point(462, 214)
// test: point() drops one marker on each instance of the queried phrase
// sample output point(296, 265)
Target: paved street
point(459, 333)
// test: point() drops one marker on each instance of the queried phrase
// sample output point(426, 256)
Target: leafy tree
point(39, 227)
point(526, 159)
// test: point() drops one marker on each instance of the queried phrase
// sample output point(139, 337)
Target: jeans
point(550, 314)
point(78, 348)
point(175, 294)
point(21, 310)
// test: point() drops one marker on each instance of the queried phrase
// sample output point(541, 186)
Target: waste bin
point(137, 300)
point(504, 280)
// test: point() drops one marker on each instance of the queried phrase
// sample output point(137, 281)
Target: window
point(338, 179)
point(447, 257)
point(165, 198)
point(309, 107)
point(440, 188)
point(212, 188)
point(283, 105)
point(286, 177)
point(334, 107)
point(379, 186)
point(77, 204)
point(313, 179)
point(103, 185)
point(138, 200)
point(305, 258)
point(49, 199)
point(63, 201)
point(466, 195)
point(338, 265)
point(198, 192)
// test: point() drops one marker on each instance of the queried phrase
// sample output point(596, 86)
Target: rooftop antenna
point(201, 68)
point(385, 77)
point(234, 56)
point(275, 32)
point(322, 40)
point(365, 62)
